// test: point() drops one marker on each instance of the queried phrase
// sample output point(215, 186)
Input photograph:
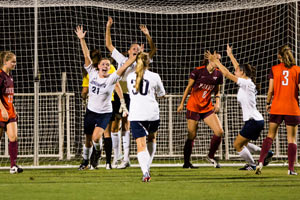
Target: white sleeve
point(117, 56)
point(160, 90)
point(113, 78)
point(90, 69)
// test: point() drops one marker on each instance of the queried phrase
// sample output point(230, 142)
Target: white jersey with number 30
point(143, 104)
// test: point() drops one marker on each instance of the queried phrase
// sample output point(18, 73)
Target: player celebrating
point(8, 117)
point(283, 89)
point(143, 86)
point(99, 108)
point(202, 82)
point(120, 59)
point(254, 122)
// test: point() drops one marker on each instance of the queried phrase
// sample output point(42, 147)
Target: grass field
point(167, 183)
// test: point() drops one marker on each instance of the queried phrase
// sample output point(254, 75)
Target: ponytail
point(141, 66)
point(287, 56)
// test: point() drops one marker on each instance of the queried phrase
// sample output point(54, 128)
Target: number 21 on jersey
point(285, 76)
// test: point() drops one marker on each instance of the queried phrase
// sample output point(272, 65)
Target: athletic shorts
point(197, 116)
point(92, 120)
point(143, 128)
point(290, 120)
point(252, 129)
point(115, 112)
point(3, 124)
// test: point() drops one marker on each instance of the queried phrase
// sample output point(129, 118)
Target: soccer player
point(120, 59)
point(99, 108)
point(244, 76)
point(282, 104)
point(144, 86)
point(202, 82)
point(8, 116)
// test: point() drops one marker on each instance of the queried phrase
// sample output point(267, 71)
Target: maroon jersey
point(7, 94)
point(205, 83)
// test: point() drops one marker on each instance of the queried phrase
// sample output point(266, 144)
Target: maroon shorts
point(4, 124)
point(290, 120)
point(197, 116)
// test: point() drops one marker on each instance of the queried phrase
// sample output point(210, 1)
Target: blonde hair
point(142, 64)
point(5, 56)
point(287, 57)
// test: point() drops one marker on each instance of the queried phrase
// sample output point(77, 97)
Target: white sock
point(115, 145)
point(97, 145)
point(246, 155)
point(151, 149)
point(143, 158)
point(126, 145)
point(87, 152)
point(253, 148)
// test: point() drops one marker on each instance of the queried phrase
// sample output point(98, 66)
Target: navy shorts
point(289, 120)
point(3, 124)
point(252, 129)
point(143, 128)
point(92, 120)
point(197, 116)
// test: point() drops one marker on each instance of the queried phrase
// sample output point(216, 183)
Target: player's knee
point(13, 138)
point(219, 132)
point(192, 135)
point(237, 146)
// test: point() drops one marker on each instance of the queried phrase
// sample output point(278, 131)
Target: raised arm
point(108, 42)
point(80, 34)
point(153, 49)
point(232, 58)
point(223, 69)
point(129, 62)
point(185, 94)
point(270, 94)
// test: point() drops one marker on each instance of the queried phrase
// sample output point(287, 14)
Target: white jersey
point(100, 90)
point(247, 98)
point(143, 105)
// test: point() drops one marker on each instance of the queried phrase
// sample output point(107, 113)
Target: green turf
point(167, 183)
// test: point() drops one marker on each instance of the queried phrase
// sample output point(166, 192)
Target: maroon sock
point(187, 151)
point(266, 146)
point(214, 145)
point(292, 150)
point(13, 152)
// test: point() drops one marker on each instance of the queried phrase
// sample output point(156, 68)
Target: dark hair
point(250, 71)
point(287, 57)
point(96, 57)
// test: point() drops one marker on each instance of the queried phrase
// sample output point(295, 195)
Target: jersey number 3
point(285, 76)
point(143, 89)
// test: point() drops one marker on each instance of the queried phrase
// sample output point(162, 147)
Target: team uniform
point(6, 96)
point(285, 99)
point(99, 108)
point(199, 105)
point(254, 121)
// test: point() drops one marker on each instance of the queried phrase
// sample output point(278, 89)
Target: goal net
point(181, 30)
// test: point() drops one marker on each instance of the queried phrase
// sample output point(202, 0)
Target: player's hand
point(229, 50)
point(4, 114)
point(180, 108)
point(144, 29)
point(123, 108)
point(109, 22)
point(268, 108)
point(79, 32)
point(211, 57)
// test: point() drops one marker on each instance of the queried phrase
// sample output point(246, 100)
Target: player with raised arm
point(244, 76)
point(120, 59)
point(8, 116)
point(203, 81)
point(144, 86)
point(99, 108)
point(283, 105)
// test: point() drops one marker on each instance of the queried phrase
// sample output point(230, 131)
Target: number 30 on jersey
point(143, 90)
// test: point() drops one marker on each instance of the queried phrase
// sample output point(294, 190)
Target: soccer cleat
point(189, 166)
point(213, 161)
point(248, 167)
point(146, 177)
point(268, 158)
point(95, 157)
point(290, 172)
point(108, 166)
point(84, 165)
point(124, 164)
point(115, 164)
point(15, 170)
point(259, 168)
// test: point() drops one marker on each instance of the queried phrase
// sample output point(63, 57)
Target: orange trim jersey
point(285, 98)
point(205, 83)
point(7, 94)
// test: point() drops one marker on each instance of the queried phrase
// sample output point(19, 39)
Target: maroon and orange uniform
point(205, 83)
